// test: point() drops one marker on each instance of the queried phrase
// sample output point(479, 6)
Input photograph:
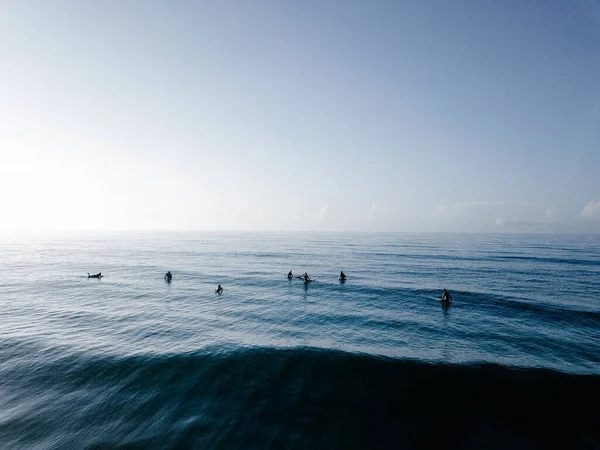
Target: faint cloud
point(441, 210)
point(550, 213)
point(326, 211)
point(592, 209)
point(516, 222)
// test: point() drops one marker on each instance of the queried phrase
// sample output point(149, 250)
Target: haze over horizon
point(362, 116)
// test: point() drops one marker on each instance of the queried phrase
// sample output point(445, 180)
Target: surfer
point(168, 276)
point(290, 276)
point(306, 278)
point(342, 276)
point(98, 275)
point(446, 297)
point(219, 290)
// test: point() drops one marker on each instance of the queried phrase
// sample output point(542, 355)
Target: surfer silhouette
point(446, 297)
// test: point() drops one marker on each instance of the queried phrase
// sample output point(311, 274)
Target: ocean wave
point(507, 304)
point(293, 398)
point(540, 259)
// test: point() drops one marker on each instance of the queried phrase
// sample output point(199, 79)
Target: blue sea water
point(130, 361)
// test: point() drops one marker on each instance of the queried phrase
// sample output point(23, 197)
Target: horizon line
point(175, 231)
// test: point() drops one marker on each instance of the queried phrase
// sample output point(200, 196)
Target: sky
point(458, 116)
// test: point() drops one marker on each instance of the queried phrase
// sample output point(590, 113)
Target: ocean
point(131, 361)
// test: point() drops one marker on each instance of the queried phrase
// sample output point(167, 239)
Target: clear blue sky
point(307, 115)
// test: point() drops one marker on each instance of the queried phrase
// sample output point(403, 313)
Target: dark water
point(130, 361)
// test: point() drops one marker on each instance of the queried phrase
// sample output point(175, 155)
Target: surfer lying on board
point(219, 290)
point(98, 275)
point(168, 276)
point(446, 297)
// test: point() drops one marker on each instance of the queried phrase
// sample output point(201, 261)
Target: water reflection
point(446, 352)
point(446, 308)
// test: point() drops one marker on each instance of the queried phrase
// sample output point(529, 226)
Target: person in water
point(98, 275)
point(306, 278)
point(219, 290)
point(168, 276)
point(342, 276)
point(446, 297)
point(290, 276)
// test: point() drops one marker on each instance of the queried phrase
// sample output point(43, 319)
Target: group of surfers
point(446, 297)
point(307, 279)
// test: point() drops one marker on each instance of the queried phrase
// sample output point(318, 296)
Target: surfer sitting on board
point(168, 276)
point(342, 276)
point(219, 290)
point(446, 297)
point(290, 276)
point(306, 278)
